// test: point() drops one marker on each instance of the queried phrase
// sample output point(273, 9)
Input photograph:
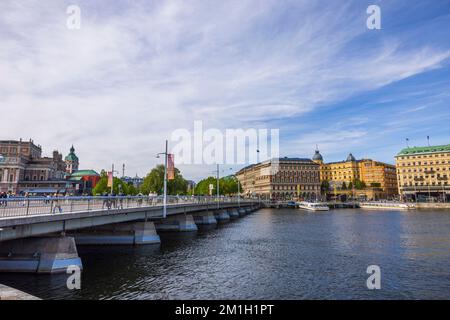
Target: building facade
point(424, 173)
point(285, 179)
point(23, 169)
point(364, 179)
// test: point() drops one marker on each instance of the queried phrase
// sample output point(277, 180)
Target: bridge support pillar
point(177, 223)
point(233, 213)
point(128, 233)
point(222, 215)
point(39, 255)
point(204, 218)
point(242, 212)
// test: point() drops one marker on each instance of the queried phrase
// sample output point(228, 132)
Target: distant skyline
point(138, 70)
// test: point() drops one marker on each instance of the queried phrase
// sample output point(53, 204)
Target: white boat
point(313, 206)
point(386, 205)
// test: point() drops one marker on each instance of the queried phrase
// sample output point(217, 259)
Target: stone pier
point(222, 215)
point(242, 212)
point(128, 233)
point(233, 213)
point(204, 218)
point(177, 223)
point(39, 255)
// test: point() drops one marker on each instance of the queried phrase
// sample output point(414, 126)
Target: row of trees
point(154, 183)
point(227, 186)
point(355, 184)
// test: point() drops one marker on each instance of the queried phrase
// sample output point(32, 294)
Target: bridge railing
point(18, 207)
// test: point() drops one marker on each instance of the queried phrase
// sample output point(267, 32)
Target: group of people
point(3, 197)
point(110, 200)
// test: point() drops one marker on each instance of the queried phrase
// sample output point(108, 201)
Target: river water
point(271, 254)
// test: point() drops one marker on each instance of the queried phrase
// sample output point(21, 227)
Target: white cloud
point(132, 74)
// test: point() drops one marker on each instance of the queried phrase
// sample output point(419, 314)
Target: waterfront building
point(364, 179)
point(423, 173)
point(289, 179)
point(23, 169)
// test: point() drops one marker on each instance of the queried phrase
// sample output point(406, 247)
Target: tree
point(324, 187)
point(227, 186)
point(154, 182)
point(344, 186)
point(118, 187)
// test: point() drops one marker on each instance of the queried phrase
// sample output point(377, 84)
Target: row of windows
point(419, 163)
point(438, 155)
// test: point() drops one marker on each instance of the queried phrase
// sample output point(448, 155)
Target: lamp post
point(165, 180)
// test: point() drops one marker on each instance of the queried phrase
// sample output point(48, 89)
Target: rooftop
point(418, 150)
point(82, 173)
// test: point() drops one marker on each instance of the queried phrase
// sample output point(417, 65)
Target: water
point(272, 254)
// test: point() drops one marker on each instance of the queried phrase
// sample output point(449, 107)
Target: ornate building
point(287, 179)
point(71, 161)
point(424, 173)
point(365, 178)
point(24, 170)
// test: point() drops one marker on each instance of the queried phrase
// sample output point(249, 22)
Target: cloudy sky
point(138, 70)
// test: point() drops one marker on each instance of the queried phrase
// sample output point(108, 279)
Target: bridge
point(41, 234)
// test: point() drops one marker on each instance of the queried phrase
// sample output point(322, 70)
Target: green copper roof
point(72, 156)
point(432, 149)
point(81, 173)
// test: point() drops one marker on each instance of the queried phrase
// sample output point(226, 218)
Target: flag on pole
point(170, 167)
point(110, 179)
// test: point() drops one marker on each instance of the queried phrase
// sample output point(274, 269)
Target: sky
point(137, 70)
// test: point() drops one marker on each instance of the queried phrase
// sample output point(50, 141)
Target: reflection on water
point(271, 254)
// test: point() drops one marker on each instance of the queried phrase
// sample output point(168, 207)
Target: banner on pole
point(170, 167)
point(110, 179)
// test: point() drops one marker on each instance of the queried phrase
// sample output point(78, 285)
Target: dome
point(317, 156)
point(351, 157)
point(72, 156)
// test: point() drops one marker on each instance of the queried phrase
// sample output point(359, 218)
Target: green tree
point(324, 187)
point(119, 187)
point(227, 186)
point(202, 187)
point(344, 186)
point(154, 182)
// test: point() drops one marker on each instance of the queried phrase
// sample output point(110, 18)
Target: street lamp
point(165, 180)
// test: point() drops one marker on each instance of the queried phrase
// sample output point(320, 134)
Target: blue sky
point(138, 70)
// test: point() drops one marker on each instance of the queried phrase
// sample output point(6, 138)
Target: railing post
point(28, 205)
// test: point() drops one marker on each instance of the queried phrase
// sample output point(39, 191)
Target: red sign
point(110, 179)
point(170, 167)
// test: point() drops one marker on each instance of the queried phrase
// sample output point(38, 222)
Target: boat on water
point(386, 205)
point(313, 206)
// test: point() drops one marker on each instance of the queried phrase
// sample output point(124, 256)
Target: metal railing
point(22, 207)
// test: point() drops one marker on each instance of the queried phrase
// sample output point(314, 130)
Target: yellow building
point(423, 173)
point(363, 178)
point(287, 179)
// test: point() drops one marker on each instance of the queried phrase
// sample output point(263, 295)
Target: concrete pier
point(129, 233)
point(39, 255)
point(242, 212)
point(182, 223)
point(222, 215)
point(234, 214)
point(8, 293)
point(204, 218)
